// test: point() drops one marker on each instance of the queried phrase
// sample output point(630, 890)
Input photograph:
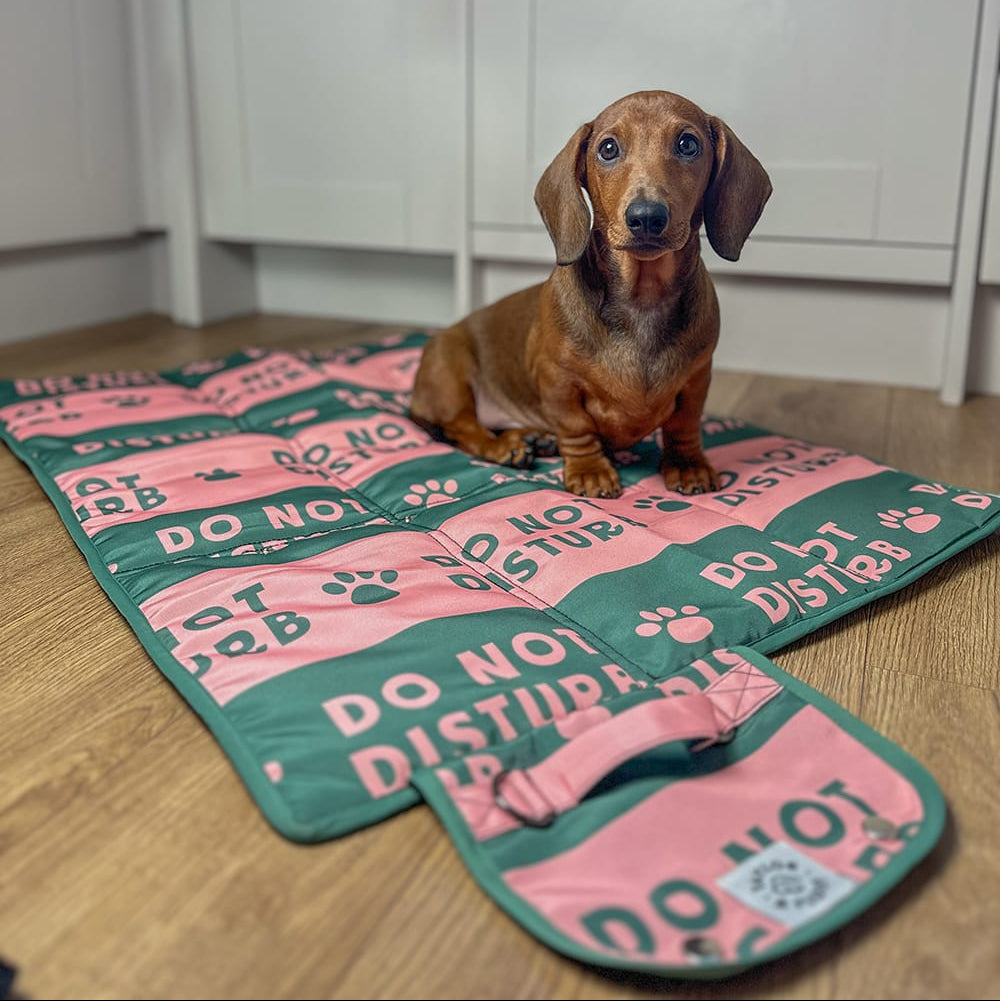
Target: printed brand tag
point(785, 885)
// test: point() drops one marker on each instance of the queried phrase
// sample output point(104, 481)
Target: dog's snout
point(646, 218)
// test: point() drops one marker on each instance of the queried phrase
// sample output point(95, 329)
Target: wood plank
point(936, 936)
point(849, 415)
point(958, 445)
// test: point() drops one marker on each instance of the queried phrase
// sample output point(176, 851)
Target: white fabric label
point(785, 885)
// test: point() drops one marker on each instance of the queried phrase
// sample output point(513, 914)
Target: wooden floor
point(134, 865)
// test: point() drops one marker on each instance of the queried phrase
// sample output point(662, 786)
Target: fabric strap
point(537, 795)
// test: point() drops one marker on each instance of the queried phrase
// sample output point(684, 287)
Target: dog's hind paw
point(542, 443)
point(523, 458)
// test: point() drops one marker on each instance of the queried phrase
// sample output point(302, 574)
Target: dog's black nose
point(647, 218)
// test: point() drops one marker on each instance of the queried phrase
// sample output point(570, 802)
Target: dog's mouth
point(647, 249)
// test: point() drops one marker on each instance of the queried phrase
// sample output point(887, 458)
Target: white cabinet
point(857, 108)
point(68, 168)
point(330, 121)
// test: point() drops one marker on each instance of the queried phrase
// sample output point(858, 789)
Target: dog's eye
point(688, 146)
point(608, 150)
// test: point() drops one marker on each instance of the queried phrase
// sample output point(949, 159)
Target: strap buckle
point(546, 820)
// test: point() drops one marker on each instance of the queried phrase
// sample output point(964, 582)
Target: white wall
point(69, 176)
point(52, 288)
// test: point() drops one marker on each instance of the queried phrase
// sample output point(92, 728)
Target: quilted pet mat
point(366, 618)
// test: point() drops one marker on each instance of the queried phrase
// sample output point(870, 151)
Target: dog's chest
point(625, 407)
point(632, 380)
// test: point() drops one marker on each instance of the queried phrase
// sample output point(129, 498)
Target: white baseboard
point(55, 288)
point(381, 287)
point(886, 334)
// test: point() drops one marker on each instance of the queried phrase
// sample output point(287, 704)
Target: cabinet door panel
point(68, 167)
point(857, 107)
point(330, 122)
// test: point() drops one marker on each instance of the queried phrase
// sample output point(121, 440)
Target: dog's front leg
point(586, 469)
point(683, 465)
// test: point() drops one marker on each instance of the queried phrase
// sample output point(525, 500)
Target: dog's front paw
point(690, 477)
point(593, 476)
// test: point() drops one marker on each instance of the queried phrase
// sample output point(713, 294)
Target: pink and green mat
point(580, 688)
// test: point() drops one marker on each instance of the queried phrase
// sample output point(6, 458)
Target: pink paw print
point(431, 492)
point(687, 626)
point(913, 518)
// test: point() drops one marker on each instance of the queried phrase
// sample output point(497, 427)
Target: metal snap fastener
point(879, 828)
point(701, 949)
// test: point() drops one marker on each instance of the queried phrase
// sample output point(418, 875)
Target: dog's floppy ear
point(559, 198)
point(736, 193)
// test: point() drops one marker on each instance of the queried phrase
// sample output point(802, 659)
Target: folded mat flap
point(685, 855)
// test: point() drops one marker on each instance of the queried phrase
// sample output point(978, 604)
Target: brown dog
point(618, 341)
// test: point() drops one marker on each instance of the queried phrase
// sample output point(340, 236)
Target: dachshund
point(618, 341)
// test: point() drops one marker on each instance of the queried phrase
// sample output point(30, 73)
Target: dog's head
point(654, 166)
